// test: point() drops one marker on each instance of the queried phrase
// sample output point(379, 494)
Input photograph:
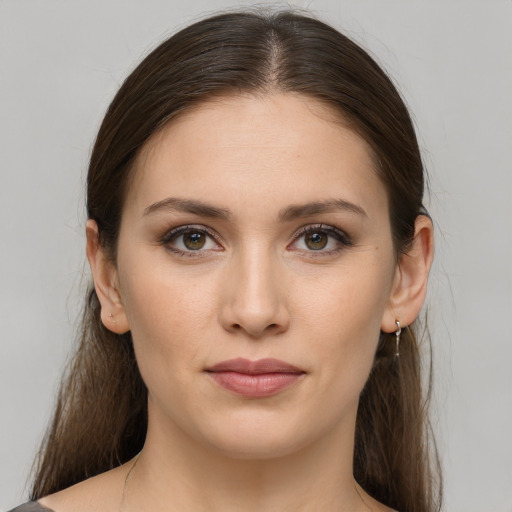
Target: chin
point(258, 447)
point(260, 437)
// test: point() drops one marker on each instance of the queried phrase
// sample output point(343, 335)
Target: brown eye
point(194, 240)
point(191, 241)
point(321, 240)
point(316, 240)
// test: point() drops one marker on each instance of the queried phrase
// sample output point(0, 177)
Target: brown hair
point(100, 419)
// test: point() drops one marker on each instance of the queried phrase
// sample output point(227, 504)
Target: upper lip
point(259, 367)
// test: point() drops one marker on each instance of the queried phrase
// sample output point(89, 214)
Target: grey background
point(61, 62)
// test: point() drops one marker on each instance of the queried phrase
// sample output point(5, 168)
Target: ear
point(410, 282)
point(106, 282)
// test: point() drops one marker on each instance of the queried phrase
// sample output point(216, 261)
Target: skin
point(258, 288)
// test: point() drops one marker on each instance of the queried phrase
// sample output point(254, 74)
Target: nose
point(254, 299)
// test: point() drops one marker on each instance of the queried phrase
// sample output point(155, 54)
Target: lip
point(255, 379)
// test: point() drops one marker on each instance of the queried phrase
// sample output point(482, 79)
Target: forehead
point(283, 148)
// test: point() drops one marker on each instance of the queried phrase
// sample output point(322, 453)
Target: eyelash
point(343, 240)
point(175, 233)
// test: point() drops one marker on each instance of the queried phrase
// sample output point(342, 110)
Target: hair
point(100, 418)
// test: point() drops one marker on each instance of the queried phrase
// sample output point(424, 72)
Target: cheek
point(350, 301)
point(168, 313)
point(344, 314)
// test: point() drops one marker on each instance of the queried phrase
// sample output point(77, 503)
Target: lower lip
point(255, 386)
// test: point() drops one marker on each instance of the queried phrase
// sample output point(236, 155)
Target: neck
point(175, 472)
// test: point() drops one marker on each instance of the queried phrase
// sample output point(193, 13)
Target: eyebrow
point(285, 215)
point(330, 206)
point(188, 206)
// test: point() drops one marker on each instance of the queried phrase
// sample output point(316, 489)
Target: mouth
point(255, 379)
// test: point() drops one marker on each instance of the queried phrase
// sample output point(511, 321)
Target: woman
point(260, 253)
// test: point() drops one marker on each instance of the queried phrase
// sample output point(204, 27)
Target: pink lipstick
point(255, 379)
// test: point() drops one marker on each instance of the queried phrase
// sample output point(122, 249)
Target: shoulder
point(31, 506)
point(96, 494)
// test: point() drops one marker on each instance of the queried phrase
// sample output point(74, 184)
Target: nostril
point(269, 327)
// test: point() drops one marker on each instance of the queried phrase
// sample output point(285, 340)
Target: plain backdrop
point(61, 62)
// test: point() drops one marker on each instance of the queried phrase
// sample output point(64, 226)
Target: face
point(255, 267)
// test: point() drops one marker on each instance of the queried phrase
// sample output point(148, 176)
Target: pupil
point(194, 241)
point(316, 241)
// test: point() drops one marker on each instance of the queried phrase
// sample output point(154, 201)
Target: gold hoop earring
point(397, 338)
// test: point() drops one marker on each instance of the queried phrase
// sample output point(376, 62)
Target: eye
point(190, 239)
point(316, 241)
point(193, 240)
point(320, 238)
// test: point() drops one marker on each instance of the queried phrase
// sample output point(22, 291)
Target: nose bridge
point(255, 302)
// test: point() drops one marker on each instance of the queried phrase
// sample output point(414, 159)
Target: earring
point(111, 316)
point(397, 337)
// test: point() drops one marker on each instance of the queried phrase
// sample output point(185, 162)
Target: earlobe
point(106, 282)
point(410, 282)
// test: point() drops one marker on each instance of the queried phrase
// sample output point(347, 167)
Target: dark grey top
point(31, 506)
